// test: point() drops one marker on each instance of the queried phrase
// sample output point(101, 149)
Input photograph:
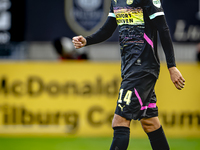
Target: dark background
point(44, 20)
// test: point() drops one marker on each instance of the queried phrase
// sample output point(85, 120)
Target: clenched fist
point(79, 41)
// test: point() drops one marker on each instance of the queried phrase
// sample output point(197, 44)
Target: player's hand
point(79, 41)
point(177, 78)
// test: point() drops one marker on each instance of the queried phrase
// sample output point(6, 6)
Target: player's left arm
point(166, 42)
point(154, 10)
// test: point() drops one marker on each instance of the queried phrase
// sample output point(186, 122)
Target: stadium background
point(53, 103)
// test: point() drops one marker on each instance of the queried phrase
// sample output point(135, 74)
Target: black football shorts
point(137, 98)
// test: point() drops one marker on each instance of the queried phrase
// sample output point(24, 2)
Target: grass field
point(87, 144)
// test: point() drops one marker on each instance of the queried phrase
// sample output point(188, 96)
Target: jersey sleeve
point(161, 25)
point(153, 8)
point(111, 13)
point(105, 31)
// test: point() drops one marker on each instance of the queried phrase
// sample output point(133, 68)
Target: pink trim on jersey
point(138, 96)
point(148, 40)
point(151, 105)
point(143, 107)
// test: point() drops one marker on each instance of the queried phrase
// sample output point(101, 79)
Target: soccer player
point(138, 21)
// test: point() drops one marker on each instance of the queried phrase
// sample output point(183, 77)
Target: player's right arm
point(101, 35)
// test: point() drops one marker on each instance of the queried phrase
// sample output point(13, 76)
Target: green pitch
point(88, 144)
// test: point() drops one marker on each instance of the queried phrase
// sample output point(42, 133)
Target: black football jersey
point(137, 36)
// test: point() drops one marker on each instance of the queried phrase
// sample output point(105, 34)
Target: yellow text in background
point(79, 98)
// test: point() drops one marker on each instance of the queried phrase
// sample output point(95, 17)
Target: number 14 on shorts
point(127, 97)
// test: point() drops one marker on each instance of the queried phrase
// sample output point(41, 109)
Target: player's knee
point(147, 127)
point(150, 125)
point(120, 121)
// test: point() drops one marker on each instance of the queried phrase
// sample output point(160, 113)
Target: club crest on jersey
point(129, 2)
point(157, 3)
point(84, 17)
